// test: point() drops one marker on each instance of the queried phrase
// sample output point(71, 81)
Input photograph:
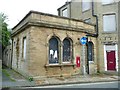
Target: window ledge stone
point(112, 32)
point(60, 65)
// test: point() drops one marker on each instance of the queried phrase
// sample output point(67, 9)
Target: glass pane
point(24, 51)
point(65, 13)
point(86, 5)
point(109, 23)
point(67, 51)
point(53, 51)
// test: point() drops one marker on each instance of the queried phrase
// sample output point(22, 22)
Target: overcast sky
point(17, 9)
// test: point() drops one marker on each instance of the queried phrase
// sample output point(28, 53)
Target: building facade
point(46, 45)
point(119, 40)
point(7, 56)
point(105, 15)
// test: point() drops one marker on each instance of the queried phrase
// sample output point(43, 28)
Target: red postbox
point(78, 61)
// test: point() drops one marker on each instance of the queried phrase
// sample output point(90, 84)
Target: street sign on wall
point(83, 40)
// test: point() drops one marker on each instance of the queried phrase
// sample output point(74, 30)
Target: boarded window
point(53, 51)
point(109, 23)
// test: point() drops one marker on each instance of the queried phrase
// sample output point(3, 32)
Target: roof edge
point(64, 5)
point(37, 12)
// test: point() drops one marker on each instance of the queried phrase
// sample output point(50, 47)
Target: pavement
point(77, 79)
point(10, 78)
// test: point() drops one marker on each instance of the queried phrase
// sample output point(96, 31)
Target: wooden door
point(111, 62)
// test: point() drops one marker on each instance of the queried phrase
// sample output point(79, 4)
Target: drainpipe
point(11, 54)
point(96, 19)
point(93, 35)
point(70, 9)
point(96, 32)
point(96, 26)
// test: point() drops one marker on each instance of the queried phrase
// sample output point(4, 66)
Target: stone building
point(48, 45)
point(104, 14)
point(7, 56)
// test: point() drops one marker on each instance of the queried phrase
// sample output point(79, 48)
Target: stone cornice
point(51, 21)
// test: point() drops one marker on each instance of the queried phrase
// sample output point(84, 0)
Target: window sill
point(108, 4)
point(112, 32)
point(91, 62)
point(60, 65)
point(86, 10)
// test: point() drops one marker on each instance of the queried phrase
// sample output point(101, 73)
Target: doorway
point(90, 54)
point(111, 61)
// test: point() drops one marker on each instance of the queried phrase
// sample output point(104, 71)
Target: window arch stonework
point(60, 52)
point(54, 50)
point(90, 51)
point(67, 50)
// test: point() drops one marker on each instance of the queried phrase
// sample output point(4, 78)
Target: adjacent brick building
point(48, 45)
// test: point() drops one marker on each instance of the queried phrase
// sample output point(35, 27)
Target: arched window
point(67, 50)
point(90, 50)
point(53, 51)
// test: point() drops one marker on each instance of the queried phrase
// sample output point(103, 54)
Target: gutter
point(96, 26)
point(70, 9)
point(11, 54)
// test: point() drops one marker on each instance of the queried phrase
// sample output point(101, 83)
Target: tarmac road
point(90, 86)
